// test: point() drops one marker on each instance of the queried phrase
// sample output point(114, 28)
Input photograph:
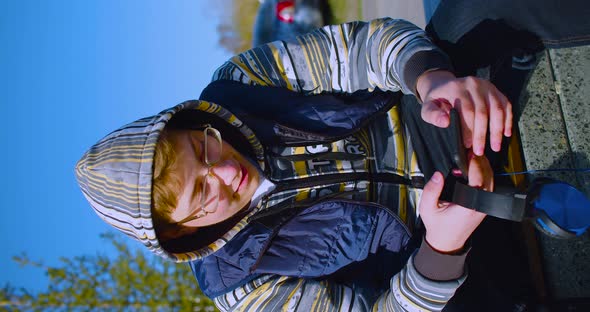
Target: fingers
point(479, 103)
point(432, 191)
point(497, 116)
point(488, 183)
point(436, 112)
point(508, 120)
point(480, 122)
point(500, 119)
point(464, 106)
point(475, 174)
point(484, 106)
point(480, 174)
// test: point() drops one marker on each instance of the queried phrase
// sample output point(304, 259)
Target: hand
point(448, 225)
point(477, 100)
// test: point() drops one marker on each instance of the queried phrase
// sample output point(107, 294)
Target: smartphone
point(458, 150)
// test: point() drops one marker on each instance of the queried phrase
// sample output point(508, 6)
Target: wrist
point(437, 266)
point(448, 247)
point(420, 63)
point(429, 79)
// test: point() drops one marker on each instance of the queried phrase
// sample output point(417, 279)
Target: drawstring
point(322, 156)
point(583, 170)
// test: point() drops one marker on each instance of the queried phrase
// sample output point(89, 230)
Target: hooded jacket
point(328, 154)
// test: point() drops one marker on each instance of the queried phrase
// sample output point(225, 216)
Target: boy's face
point(230, 185)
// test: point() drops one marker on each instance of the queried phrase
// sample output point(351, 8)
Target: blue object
point(565, 206)
point(545, 227)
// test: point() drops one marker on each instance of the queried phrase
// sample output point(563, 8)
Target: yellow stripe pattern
point(115, 176)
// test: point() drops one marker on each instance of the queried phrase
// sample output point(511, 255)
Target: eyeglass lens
point(213, 145)
point(210, 189)
point(210, 185)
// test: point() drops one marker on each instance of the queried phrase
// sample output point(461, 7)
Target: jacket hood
point(115, 175)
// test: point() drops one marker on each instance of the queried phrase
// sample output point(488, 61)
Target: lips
point(244, 178)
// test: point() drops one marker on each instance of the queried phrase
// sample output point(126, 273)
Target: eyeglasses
point(210, 185)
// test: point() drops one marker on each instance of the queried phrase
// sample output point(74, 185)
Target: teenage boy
point(293, 183)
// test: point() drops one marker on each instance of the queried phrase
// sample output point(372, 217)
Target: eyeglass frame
point(201, 212)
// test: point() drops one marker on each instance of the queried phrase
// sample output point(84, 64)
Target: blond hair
point(165, 187)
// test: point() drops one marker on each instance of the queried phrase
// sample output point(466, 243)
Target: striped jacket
point(384, 54)
point(115, 175)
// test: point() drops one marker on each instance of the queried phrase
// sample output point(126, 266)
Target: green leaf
point(131, 280)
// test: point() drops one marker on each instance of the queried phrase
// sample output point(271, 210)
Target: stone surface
point(571, 68)
point(565, 263)
point(554, 121)
point(542, 128)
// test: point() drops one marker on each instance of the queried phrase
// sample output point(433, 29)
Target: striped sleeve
point(409, 292)
point(281, 293)
point(384, 53)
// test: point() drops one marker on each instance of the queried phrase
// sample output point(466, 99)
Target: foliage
point(130, 281)
point(343, 11)
point(237, 20)
point(236, 23)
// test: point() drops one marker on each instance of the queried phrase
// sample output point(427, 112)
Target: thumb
point(432, 191)
point(436, 112)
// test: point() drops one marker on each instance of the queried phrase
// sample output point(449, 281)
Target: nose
point(226, 170)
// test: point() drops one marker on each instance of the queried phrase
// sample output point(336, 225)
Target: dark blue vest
point(341, 240)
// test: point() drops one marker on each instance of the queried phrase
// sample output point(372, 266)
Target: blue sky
point(70, 72)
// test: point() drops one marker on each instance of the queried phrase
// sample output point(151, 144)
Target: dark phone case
point(459, 154)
